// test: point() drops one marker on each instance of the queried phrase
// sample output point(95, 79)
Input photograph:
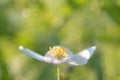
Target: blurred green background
point(77, 24)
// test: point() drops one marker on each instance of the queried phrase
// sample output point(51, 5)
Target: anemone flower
point(57, 55)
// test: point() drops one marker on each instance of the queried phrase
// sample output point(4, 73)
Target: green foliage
point(76, 24)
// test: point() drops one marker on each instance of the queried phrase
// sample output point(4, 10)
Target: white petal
point(87, 53)
point(82, 57)
point(32, 54)
point(39, 57)
point(48, 55)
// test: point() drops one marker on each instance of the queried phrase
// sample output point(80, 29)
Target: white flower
point(58, 55)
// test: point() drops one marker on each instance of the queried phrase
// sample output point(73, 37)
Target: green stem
point(58, 72)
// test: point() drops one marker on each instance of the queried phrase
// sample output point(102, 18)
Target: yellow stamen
point(58, 52)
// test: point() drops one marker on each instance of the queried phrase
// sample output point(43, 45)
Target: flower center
point(58, 52)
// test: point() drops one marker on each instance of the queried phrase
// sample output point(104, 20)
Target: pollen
point(58, 52)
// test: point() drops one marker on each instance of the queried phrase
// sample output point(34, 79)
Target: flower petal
point(32, 54)
point(82, 57)
point(48, 55)
point(39, 57)
point(55, 61)
point(70, 53)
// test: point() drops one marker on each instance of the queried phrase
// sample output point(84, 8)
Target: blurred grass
point(77, 24)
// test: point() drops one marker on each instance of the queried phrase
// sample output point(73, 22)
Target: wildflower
point(58, 55)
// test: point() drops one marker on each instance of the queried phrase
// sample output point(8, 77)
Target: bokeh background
point(77, 24)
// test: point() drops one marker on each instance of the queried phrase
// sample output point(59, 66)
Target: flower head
point(58, 52)
point(58, 55)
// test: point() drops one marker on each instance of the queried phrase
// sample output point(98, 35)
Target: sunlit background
point(76, 24)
